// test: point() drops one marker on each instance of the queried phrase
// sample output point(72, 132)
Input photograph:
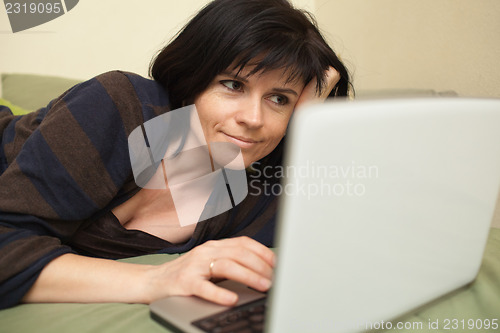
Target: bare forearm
point(74, 278)
point(77, 279)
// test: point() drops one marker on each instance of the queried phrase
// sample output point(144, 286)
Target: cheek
point(277, 131)
point(214, 105)
point(280, 125)
point(208, 110)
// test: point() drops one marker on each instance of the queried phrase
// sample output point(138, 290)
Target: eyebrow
point(285, 91)
point(277, 90)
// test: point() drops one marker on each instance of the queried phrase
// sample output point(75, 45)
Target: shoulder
point(121, 79)
point(131, 86)
point(112, 98)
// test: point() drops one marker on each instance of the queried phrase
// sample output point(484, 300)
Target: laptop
point(386, 206)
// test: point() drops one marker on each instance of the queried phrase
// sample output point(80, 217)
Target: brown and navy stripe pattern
point(65, 166)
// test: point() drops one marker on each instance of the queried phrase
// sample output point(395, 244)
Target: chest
point(153, 212)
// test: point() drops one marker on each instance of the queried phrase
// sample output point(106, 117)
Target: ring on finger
point(211, 268)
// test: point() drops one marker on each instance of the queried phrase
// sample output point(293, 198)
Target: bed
point(464, 310)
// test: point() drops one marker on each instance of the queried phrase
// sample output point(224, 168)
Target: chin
point(246, 162)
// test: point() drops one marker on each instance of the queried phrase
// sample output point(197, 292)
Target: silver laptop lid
point(387, 206)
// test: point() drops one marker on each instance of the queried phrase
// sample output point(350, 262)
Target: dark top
point(64, 167)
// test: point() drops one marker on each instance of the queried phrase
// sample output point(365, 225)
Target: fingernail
point(265, 283)
point(231, 298)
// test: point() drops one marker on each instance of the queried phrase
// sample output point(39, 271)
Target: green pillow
point(16, 110)
point(32, 92)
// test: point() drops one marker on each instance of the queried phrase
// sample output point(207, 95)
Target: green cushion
point(32, 92)
point(479, 300)
point(16, 110)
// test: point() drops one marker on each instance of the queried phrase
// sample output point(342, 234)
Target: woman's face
point(249, 111)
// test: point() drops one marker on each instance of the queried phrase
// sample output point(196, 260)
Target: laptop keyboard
point(246, 318)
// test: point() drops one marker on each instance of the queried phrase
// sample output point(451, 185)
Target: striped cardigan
point(64, 167)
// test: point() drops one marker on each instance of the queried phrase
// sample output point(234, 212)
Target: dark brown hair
point(234, 32)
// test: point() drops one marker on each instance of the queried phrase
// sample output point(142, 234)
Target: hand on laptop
point(241, 259)
point(309, 95)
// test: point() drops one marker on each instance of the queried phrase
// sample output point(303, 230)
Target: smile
point(241, 142)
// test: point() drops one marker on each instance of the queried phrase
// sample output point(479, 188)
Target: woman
point(68, 200)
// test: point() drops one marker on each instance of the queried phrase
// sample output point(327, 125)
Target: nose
point(250, 113)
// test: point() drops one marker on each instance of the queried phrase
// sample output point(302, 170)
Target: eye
point(232, 85)
point(278, 99)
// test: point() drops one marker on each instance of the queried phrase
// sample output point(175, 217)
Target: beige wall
point(436, 44)
point(424, 44)
point(98, 36)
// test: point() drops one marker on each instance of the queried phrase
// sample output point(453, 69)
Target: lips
point(241, 141)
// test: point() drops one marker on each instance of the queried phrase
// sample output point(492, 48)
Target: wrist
point(151, 285)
